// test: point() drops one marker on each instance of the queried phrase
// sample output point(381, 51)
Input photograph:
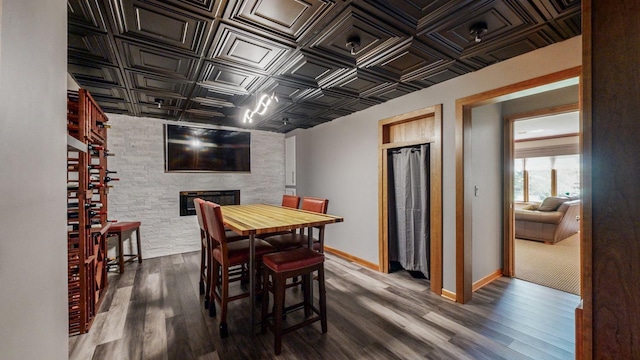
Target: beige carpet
point(556, 266)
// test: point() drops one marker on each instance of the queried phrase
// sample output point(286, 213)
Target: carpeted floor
point(556, 266)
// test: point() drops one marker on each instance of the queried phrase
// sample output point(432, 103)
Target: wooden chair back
point(215, 225)
point(315, 204)
point(198, 204)
point(291, 201)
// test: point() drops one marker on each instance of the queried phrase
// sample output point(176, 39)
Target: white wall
point(146, 193)
point(33, 252)
point(338, 160)
point(486, 174)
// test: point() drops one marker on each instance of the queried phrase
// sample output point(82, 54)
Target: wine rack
point(87, 221)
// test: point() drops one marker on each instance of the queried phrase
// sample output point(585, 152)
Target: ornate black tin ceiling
point(209, 61)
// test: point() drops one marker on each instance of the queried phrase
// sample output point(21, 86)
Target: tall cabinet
point(87, 224)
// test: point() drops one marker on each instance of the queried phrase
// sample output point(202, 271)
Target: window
point(539, 170)
point(568, 174)
point(536, 178)
point(518, 180)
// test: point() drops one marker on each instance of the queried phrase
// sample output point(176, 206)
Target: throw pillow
point(552, 203)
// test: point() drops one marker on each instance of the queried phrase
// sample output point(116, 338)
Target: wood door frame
point(508, 196)
point(401, 131)
point(462, 144)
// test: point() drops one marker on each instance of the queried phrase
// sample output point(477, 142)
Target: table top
point(263, 218)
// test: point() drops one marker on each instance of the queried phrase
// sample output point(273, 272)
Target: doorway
point(542, 163)
point(402, 131)
point(464, 108)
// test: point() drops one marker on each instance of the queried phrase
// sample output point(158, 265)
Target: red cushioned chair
point(205, 261)
point(290, 201)
point(278, 267)
point(290, 241)
point(224, 255)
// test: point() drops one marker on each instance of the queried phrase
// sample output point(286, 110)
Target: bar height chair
point(294, 240)
point(205, 260)
point(278, 267)
point(223, 256)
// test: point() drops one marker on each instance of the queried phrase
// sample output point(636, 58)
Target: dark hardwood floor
point(154, 311)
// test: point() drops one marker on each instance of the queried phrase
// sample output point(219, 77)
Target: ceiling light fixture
point(261, 107)
point(285, 121)
point(478, 29)
point(353, 42)
point(160, 102)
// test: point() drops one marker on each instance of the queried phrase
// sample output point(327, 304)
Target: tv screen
point(191, 148)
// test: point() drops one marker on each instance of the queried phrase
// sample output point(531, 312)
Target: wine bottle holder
point(87, 209)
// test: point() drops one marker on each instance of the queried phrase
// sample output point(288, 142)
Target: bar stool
point(292, 240)
point(288, 264)
point(225, 255)
point(117, 229)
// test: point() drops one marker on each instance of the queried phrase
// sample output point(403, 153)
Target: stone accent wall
point(148, 194)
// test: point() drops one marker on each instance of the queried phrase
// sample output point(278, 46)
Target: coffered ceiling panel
point(97, 74)
point(240, 48)
point(327, 98)
point(210, 61)
point(154, 60)
point(287, 89)
point(86, 13)
point(288, 19)
point(407, 61)
point(159, 84)
point(553, 8)
point(229, 80)
point(89, 45)
point(372, 36)
point(206, 7)
point(504, 18)
point(164, 25)
point(356, 82)
point(166, 102)
point(310, 68)
point(212, 97)
point(151, 110)
point(109, 93)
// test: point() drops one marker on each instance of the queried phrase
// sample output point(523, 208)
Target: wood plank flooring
point(154, 311)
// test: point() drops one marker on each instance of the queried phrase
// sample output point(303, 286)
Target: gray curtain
point(409, 208)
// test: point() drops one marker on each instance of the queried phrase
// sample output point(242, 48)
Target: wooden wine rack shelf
point(86, 196)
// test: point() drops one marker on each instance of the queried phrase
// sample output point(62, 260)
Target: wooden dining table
point(253, 220)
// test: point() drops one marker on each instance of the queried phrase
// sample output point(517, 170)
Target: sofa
point(555, 219)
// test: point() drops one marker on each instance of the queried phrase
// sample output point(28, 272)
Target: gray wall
point(146, 193)
point(33, 252)
point(338, 160)
point(545, 100)
point(486, 216)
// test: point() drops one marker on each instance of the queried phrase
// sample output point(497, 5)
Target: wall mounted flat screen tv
point(191, 148)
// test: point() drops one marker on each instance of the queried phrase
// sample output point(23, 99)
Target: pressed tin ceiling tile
point(208, 61)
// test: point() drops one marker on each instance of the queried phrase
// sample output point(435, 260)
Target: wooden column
point(611, 225)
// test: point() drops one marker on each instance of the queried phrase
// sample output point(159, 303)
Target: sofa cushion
point(552, 203)
point(548, 217)
point(531, 207)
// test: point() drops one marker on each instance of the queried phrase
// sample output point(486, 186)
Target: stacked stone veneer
point(148, 194)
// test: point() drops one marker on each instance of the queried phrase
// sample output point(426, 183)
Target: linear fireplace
point(221, 197)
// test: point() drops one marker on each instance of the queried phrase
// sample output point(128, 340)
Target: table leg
point(252, 288)
point(120, 253)
point(139, 249)
point(309, 279)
